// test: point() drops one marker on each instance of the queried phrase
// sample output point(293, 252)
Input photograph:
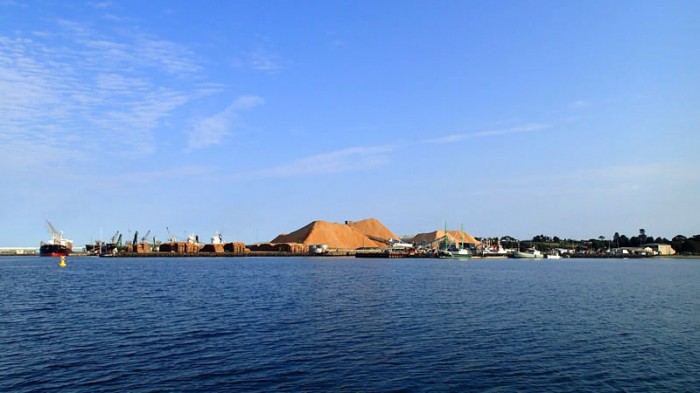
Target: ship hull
point(51, 250)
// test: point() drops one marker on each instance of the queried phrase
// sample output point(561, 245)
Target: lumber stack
point(235, 247)
point(292, 248)
point(215, 248)
point(143, 248)
point(180, 247)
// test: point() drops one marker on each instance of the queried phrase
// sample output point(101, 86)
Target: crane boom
point(54, 232)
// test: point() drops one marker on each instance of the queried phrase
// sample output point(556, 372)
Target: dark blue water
point(325, 324)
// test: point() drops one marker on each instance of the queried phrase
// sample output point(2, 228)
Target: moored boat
point(454, 250)
point(529, 253)
point(458, 253)
point(53, 250)
point(57, 246)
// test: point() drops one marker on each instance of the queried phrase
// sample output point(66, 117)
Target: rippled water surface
point(343, 324)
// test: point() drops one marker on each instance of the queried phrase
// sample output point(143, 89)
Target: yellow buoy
point(63, 261)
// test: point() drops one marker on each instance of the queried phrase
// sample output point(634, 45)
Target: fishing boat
point(529, 253)
point(454, 250)
point(57, 246)
point(459, 253)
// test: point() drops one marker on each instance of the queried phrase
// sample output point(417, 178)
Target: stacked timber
point(292, 248)
point(180, 247)
point(143, 248)
point(235, 247)
point(216, 248)
point(298, 248)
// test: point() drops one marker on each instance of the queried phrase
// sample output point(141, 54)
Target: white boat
point(552, 256)
point(494, 250)
point(461, 253)
point(454, 251)
point(529, 253)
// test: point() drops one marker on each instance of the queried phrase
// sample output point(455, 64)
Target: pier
point(19, 251)
point(331, 253)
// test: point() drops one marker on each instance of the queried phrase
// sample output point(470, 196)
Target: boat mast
point(446, 246)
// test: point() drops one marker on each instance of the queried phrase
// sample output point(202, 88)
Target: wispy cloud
point(263, 58)
point(12, 3)
point(345, 160)
point(580, 104)
point(100, 4)
point(201, 173)
point(73, 88)
point(214, 129)
point(127, 50)
point(489, 133)
point(615, 180)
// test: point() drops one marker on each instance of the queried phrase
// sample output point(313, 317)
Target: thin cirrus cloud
point(80, 86)
point(261, 59)
point(127, 48)
point(345, 160)
point(490, 133)
point(214, 129)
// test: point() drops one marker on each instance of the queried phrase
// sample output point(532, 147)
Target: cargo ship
point(57, 246)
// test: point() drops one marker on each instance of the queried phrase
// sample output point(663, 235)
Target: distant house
point(661, 249)
point(625, 251)
point(620, 251)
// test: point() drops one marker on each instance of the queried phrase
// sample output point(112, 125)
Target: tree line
point(683, 245)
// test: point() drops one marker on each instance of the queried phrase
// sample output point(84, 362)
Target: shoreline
point(338, 253)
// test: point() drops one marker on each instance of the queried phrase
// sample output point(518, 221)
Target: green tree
point(624, 241)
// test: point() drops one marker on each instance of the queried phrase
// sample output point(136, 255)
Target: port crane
point(55, 235)
point(171, 238)
point(145, 237)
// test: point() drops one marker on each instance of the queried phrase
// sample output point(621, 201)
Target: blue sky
point(575, 119)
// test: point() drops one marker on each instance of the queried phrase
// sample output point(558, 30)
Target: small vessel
point(453, 250)
point(457, 253)
point(57, 246)
point(529, 253)
point(493, 249)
